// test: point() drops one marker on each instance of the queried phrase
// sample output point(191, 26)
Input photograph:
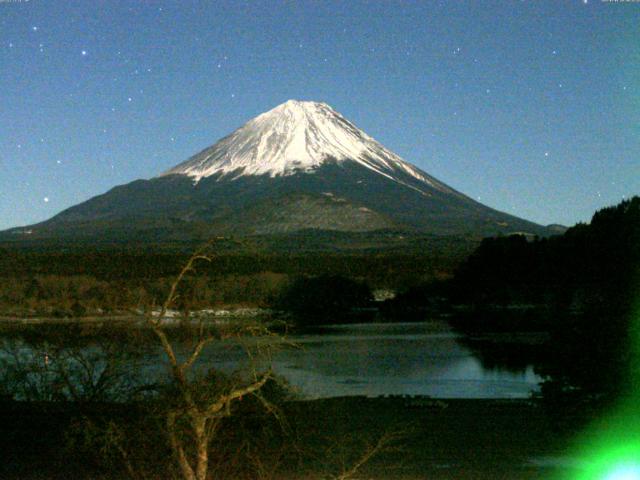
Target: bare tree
point(195, 417)
point(350, 465)
point(182, 428)
point(60, 366)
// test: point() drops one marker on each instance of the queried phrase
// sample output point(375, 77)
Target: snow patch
point(295, 137)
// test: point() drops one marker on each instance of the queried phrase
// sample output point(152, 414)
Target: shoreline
point(444, 439)
point(133, 317)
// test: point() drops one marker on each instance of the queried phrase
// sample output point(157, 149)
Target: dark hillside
point(584, 284)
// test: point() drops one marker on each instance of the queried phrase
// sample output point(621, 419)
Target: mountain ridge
point(299, 166)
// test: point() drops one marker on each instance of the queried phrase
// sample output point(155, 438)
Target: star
point(129, 99)
point(34, 28)
point(546, 154)
point(555, 52)
point(58, 162)
point(46, 199)
point(10, 44)
point(84, 53)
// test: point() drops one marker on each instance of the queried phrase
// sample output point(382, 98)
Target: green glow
point(613, 463)
point(616, 456)
point(625, 472)
point(610, 448)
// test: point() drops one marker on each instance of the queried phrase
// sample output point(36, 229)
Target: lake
point(397, 359)
point(372, 359)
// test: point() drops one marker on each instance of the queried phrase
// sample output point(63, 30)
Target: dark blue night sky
point(531, 107)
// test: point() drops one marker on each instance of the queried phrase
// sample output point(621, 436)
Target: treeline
point(82, 283)
point(588, 264)
point(326, 299)
point(116, 264)
point(586, 283)
point(83, 295)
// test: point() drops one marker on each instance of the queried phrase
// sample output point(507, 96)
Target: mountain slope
point(297, 137)
point(299, 166)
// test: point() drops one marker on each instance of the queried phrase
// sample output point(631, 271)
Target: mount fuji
point(299, 167)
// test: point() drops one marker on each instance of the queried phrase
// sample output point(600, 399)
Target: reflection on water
point(396, 359)
point(367, 359)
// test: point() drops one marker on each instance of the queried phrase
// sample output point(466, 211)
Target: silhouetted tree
point(588, 279)
point(324, 299)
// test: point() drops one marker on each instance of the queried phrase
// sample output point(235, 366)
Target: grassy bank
point(443, 439)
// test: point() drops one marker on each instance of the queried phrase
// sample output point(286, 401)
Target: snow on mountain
point(300, 168)
point(299, 136)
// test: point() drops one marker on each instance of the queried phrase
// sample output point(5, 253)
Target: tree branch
point(176, 446)
point(196, 353)
point(225, 400)
point(199, 255)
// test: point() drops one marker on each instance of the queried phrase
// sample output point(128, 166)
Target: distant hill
point(581, 265)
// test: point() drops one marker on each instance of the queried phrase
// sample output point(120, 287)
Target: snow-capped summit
point(296, 169)
point(297, 136)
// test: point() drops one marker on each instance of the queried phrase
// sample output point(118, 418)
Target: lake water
point(368, 359)
point(397, 359)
